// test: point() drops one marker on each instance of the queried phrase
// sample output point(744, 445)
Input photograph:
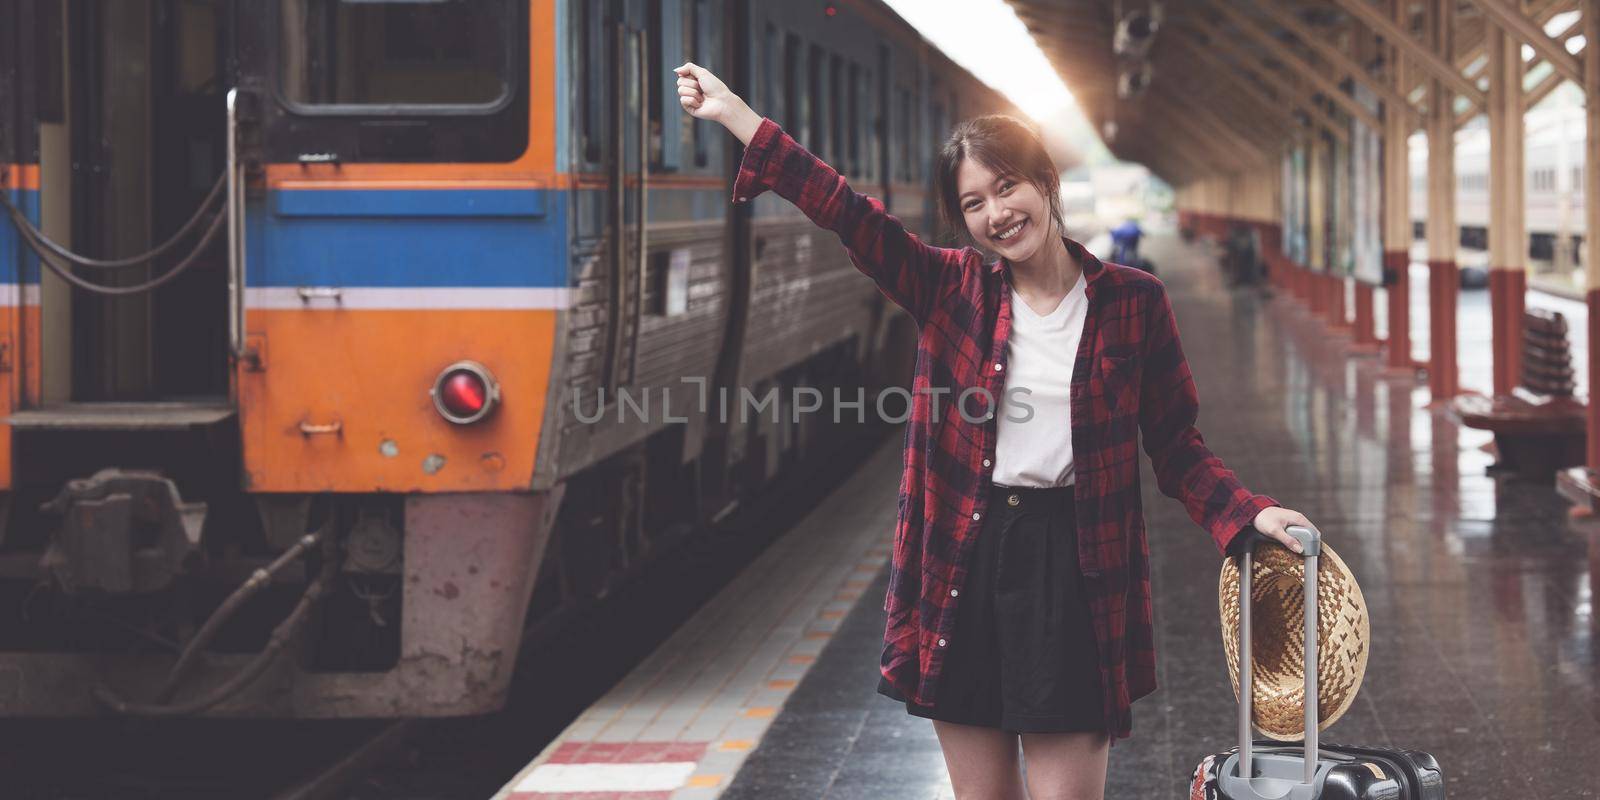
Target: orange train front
point(352, 428)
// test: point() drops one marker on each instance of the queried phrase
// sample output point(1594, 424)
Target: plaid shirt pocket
point(1120, 377)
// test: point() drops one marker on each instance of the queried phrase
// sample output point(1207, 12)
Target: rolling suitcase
point(1276, 770)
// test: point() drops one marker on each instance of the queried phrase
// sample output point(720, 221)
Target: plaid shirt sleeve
point(1185, 467)
point(913, 274)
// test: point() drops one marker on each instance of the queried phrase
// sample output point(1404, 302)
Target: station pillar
point(1443, 234)
point(1508, 235)
point(1397, 211)
point(1591, 217)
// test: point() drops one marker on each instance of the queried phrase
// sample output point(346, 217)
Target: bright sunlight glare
point(986, 38)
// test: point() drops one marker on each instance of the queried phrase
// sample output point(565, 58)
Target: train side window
point(816, 104)
point(769, 71)
point(840, 114)
point(857, 168)
point(908, 138)
point(665, 37)
point(591, 69)
point(704, 31)
point(879, 89)
point(792, 112)
point(396, 53)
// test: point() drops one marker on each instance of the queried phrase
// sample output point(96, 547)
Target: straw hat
point(1277, 638)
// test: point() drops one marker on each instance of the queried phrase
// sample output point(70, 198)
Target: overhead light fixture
point(1136, 29)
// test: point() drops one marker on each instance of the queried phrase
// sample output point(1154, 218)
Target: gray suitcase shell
point(1279, 771)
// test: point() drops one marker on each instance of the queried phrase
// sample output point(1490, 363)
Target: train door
point(139, 151)
point(119, 259)
point(126, 361)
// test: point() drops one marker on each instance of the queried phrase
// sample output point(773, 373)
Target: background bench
point(1539, 427)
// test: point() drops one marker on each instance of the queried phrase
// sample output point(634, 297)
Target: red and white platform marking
point(679, 726)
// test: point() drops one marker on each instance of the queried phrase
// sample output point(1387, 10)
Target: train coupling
point(122, 531)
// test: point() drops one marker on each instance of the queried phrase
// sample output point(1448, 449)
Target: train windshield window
point(396, 52)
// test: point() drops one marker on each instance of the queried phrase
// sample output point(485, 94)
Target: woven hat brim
point(1278, 634)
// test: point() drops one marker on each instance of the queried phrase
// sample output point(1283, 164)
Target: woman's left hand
point(1275, 520)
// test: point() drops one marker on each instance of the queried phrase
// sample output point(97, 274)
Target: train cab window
point(362, 53)
point(401, 80)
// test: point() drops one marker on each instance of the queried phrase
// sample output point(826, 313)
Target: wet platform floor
point(1480, 590)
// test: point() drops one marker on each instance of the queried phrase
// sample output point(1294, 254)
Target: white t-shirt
point(1037, 451)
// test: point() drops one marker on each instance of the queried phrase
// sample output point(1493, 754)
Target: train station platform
point(1483, 647)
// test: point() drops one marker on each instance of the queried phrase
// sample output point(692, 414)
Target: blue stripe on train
point(449, 237)
point(12, 251)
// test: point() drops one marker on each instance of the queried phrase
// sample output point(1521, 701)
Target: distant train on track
point(317, 454)
point(1553, 168)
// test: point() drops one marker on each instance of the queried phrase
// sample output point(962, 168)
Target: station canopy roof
point(1192, 88)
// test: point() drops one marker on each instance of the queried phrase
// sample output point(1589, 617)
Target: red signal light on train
point(465, 392)
point(829, 10)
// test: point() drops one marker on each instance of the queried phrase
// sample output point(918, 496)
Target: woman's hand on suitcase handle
point(1274, 521)
point(705, 96)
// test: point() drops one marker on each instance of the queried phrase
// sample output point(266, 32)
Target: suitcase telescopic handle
point(1244, 785)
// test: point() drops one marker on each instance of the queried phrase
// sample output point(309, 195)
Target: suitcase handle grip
point(1242, 784)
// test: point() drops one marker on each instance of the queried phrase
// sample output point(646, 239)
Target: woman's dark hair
point(1006, 146)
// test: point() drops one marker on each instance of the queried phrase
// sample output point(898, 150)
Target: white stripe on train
point(409, 297)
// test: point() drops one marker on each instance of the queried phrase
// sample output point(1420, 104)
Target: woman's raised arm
point(908, 271)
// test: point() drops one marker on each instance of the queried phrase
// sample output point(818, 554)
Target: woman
point(1019, 602)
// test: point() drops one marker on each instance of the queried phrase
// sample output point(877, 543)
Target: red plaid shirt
point(1130, 376)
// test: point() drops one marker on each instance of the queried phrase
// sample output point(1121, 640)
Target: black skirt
point(1023, 656)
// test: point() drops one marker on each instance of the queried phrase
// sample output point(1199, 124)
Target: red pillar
point(1397, 268)
point(1336, 308)
point(1443, 283)
point(1366, 334)
point(1593, 298)
point(1507, 298)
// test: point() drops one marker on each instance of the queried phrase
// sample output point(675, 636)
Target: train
point(316, 315)
point(1553, 168)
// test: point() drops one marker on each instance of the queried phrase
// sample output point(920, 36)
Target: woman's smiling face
point(994, 206)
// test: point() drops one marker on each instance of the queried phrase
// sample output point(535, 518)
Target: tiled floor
point(1483, 648)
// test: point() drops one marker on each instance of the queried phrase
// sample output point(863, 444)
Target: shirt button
point(986, 462)
point(941, 643)
point(996, 366)
point(954, 592)
point(975, 515)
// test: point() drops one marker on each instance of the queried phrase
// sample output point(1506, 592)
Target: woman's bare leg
point(1066, 766)
point(983, 762)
